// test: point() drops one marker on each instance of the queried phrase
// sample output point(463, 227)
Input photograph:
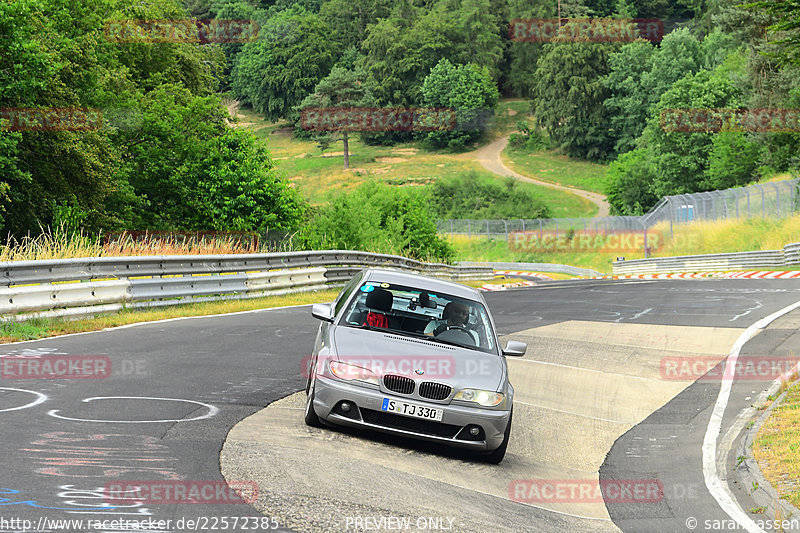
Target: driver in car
point(455, 314)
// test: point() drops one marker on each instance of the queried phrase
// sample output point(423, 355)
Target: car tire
point(496, 456)
point(311, 417)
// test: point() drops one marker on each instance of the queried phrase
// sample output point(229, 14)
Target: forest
point(167, 156)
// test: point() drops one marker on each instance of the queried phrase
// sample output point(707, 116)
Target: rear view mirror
point(425, 301)
point(322, 312)
point(515, 349)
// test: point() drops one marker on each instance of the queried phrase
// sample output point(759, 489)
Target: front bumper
point(329, 393)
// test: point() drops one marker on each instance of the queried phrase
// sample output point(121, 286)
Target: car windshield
point(416, 312)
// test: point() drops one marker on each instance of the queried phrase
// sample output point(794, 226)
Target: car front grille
point(434, 391)
point(425, 427)
point(399, 384)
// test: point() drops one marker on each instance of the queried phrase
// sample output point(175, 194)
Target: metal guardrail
point(60, 287)
point(538, 267)
point(789, 255)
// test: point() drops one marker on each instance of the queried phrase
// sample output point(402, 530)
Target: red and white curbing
point(523, 273)
point(504, 286)
point(515, 283)
point(751, 274)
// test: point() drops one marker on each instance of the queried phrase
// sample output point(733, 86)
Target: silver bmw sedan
point(414, 356)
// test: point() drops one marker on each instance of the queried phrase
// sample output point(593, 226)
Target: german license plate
point(411, 409)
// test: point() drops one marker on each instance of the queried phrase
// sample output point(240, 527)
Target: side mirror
point(515, 348)
point(322, 312)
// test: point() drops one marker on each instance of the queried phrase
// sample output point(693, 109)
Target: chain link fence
point(778, 199)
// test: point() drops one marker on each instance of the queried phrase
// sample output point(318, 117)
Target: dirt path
point(490, 157)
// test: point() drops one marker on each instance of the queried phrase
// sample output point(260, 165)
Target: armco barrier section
point(60, 287)
point(791, 254)
point(539, 267)
point(711, 262)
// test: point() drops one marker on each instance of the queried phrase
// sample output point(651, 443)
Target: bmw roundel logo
point(419, 371)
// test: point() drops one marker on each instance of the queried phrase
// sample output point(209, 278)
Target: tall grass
point(733, 235)
point(64, 244)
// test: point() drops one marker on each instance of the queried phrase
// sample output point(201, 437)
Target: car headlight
point(486, 398)
point(350, 372)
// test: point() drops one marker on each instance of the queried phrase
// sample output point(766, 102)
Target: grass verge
point(735, 235)
point(38, 328)
point(777, 447)
point(553, 167)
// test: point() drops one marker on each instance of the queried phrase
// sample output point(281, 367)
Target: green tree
point(680, 54)
point(569, 95)
point(786, 14)
point(341, 89)
point(733, 161)
point(274, 73)
point(192, 172)
point(469, 91)
point(477, 34)
point(680, 157)
point(239, 190)
point(400, 51)
point(523, 56)
point(628, 104)
point(627, 184)
point(349, 19)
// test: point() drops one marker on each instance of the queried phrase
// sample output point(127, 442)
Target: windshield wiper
point(364, 326)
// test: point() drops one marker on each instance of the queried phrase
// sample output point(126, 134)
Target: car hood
point(391, 353)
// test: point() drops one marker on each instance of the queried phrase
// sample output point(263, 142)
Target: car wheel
point(311, 417)
point(497, 455)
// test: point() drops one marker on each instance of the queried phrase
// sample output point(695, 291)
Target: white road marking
point(211, 410)
point(718, 489)
point(40, 398)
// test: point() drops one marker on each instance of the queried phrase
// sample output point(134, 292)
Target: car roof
point(423, 282)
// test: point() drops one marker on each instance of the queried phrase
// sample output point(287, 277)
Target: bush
point(468, 196)
point(377, 218)
point(470, 91)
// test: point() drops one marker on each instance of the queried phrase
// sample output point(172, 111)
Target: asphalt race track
point(596, 404)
